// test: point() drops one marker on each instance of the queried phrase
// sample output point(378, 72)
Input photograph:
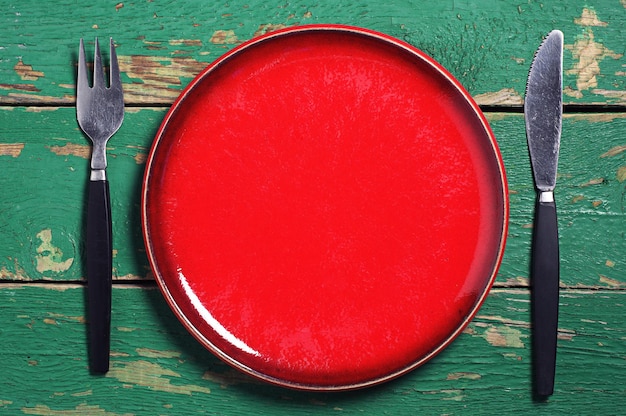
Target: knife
point(543, 110)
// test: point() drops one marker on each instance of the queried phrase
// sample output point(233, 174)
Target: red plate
point(325, 207)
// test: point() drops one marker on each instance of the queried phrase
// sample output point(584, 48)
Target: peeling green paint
point(152, 375)
point(80, 410)
point(49, 257)
point(503, 336)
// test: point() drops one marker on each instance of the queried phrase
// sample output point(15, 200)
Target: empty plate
point(325, 207)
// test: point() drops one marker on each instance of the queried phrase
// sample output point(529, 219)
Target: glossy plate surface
point(325, 208)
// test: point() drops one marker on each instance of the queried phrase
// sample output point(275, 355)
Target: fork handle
point(99, 274)
point(544, 296)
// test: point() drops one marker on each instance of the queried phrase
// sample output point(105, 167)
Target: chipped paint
point(82, 393)
point(463, 375)
point(151, 375)
point(565, 334)
point(28, 99)
point(159, 78)
point(611, 282)
point(131, 276)
point(156, 70)
point(150, 353)
point(19, 87)
point(512, 356)
point(592, 321)
point(39, 109)
point(11, 149)
point(26, 72)
point(592, 182)
point(469, 331)
point(57, 287)
point(595, 118)
point(185, 42)
point(515, 281)
point(495, 318)
point(587, 54)
point(504, 336)
point(49, 257)
point(18, 272)
point(65, 318)
point(267, 28)
point(621, 174)
point(453, 395)
point(140, 158)
point(224, 37)
point(589, 18)
point(126, 329)
point(617, 95)
point(81, 409)
point(505, 96)
point(79, 150)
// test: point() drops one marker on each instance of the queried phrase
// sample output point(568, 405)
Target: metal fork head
point(99, 108)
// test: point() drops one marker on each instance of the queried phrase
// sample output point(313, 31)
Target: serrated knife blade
point(543, 110)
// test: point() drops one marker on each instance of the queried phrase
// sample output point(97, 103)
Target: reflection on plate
point(325, 208)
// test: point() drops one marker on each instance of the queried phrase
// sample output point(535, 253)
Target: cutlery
point(100, 112)
point(543, 110)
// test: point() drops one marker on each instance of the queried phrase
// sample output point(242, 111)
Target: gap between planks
point(151, 284)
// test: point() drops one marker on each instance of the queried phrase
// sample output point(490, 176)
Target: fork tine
point(114, 69)
point(98, 71)
point(83, 80)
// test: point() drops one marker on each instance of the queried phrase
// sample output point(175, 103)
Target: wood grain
point(157, 368)
point(44, 150)
point(162, 46)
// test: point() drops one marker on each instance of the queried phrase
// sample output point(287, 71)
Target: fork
point(100, 112)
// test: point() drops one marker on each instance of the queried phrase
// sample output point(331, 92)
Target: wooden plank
point(590, 196)
point(158, 368)
point(488, 46)
point(44, 160)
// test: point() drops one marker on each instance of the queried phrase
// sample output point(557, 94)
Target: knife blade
point(543, 110)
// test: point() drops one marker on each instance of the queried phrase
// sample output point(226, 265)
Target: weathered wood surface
point(157, 366)
point(163, 45)
point(45, 153)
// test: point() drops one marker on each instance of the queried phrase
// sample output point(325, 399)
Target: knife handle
point(99, 274)
point(544, 293)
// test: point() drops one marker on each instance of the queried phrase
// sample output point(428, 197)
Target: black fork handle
point(99, 274)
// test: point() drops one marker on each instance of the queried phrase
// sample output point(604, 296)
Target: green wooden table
point(157, 367)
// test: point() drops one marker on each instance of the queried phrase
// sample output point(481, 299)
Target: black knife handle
point(544, 295)
point(99, 274)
